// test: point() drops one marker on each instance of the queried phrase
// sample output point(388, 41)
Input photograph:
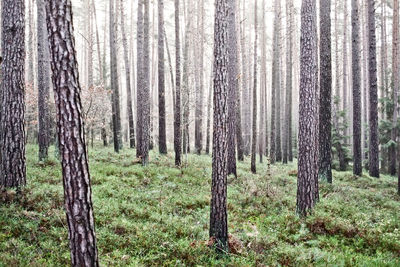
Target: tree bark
point(75, 169)
point(12, 98)
point(307, 183)
point(219, 216)
point(373, 95)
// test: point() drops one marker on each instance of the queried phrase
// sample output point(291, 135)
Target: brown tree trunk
point(75, 169)
point(254, 127)
point(12, 96)
point(177, 113)
point(162, 135)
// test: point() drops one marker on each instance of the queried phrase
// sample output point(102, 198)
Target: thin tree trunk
point(254, 126)
point(162, 135)
point(177, 114)
point(139, 81)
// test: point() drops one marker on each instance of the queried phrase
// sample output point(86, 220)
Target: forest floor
point(159, 216)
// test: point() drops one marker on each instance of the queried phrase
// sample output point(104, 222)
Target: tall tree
point(254, 126)
point(307, 181)
point(209, 106)
point(74, 161)
point(396, 84)
point(116, 115)
point(43, 78)
point(162, 134)
point(373, 94)
point(128, 79)
point(200, 87)
point(177, 113)
point(233, 85)
point(261, 137)
point(219, 216)
point(278, 82)
point(325, 113)
point(12, 96)
point(139, 80)
point(145, 113)
point(356, 69)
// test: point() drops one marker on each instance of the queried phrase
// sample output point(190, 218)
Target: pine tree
point(177, 112)
point(254, 127)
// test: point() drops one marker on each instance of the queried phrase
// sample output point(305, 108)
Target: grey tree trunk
point(307, 183)
point(261, 135)
point(12, 98)
point(140, 80)
point(177, 113)
point(43, 81)
point(325, 115)
point(356, 69)
point(373, 95)
point(75, 168)
point(233, 87)
point(209, 105)
point(218, 215)
point(162, 135)
point(128, 79)
point(116, 116)
point(254, 126)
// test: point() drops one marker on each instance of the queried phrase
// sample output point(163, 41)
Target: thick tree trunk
point(233, 87)
point(373, 95)
point(75, 168)
point(12, 98)
point(177, 113)
point(219, 216)
point(356, 69)
point(307, 183)
point(254, 126)
point(43, 81)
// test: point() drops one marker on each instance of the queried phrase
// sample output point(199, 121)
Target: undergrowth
point(159, 216)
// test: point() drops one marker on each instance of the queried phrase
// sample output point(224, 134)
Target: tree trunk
point(209, 105)
point(139, 80)
point(219, 216)
point(356, 69)
point(43, 81)
point(254, 127)
point(233, 85)
point(177, 114)
point(12, 98)
point(75, 168)
point(373, 95)
point(307, 184)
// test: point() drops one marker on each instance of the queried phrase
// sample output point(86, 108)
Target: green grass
point(159, 216)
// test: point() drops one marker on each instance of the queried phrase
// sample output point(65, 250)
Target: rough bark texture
point(75, 169)
point(356, 69)
point(254, 126)
point(43, 81)
point(373, 95)
point(128, 80)
point(12, 99)
point(233, 85)
point(219, 216)
point(116, 115)
point(307, 182)
point(209, 105)
point(325, 140)
point(177, 113)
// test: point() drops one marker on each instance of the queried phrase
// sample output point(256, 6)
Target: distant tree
point(373, 95)
point(116, 116)
point(307, 183)
point(233, 85)
point(325, 115)
point(254, 127)
point(74, 161)
point(43, 72)
point(129, 110)
point(177, 115)
point(356, 71)
point(12, 97)
point(218, 216)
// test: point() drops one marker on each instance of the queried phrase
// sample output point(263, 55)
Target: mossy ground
point(159, 215)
